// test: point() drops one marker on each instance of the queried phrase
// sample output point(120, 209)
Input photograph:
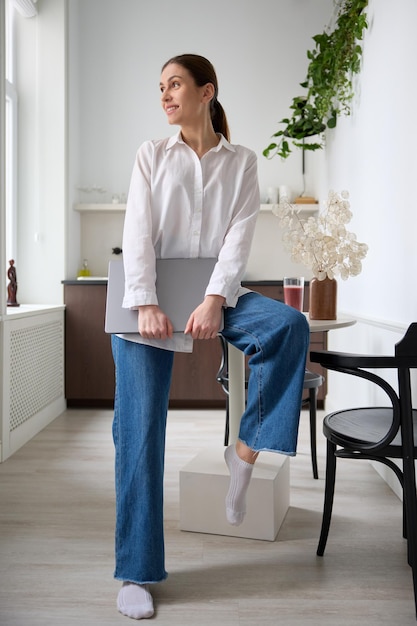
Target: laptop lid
point(180, 287)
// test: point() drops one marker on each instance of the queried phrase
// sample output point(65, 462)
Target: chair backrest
point(406, 352)
point(408, 344)
point(404, 360)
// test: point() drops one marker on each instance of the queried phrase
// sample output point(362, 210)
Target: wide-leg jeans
point(276, 338)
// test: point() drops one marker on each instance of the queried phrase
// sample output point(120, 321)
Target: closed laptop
point(180, 288)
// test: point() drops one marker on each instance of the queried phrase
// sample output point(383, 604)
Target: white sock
point(135, 601)
point(240, 475)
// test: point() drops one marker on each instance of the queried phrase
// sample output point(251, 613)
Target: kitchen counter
point(102, 280)
point(87, 280)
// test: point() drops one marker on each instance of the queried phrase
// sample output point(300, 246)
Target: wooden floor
point(56, 541)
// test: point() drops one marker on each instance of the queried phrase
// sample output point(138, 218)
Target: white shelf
point(304, 208)
point(100, 208)
point(115, 208)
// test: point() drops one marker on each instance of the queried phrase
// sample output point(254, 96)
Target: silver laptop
point(180, 288)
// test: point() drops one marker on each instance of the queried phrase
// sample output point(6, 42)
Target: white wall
point(118, 48)
point(258, 49)
point(372, 154)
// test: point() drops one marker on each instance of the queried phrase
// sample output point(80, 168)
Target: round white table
point(237, 371)
point(317, 326)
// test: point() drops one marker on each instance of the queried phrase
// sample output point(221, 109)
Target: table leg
point(236, 390)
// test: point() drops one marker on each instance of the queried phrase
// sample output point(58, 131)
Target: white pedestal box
point(204, 483)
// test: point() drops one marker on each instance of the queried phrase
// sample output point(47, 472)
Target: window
point(11, 137)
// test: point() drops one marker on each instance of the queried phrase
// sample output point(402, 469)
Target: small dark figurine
point(12, 286)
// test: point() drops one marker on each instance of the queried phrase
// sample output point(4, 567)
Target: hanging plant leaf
point(334, 60)
point(331, 123)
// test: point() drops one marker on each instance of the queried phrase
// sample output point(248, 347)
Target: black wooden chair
point(376, 433)
point(312, 382)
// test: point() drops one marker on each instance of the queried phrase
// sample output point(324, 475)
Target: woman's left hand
point(204, 322)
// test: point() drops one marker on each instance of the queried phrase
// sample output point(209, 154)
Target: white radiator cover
point(33, 375)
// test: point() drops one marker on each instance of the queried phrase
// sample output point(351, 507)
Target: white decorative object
point(204, 482)
point(284, 194)
point(272, 195)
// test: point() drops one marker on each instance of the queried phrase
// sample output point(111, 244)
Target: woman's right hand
point(153, 323)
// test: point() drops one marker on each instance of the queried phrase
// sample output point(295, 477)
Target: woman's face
point(182, 100)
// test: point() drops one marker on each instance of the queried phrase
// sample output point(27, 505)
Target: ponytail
point(219, 119)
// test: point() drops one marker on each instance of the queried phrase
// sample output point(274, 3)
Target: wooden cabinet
point(194, 381)
point(89, 368)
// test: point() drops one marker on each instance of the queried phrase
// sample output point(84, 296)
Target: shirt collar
point(223, 143)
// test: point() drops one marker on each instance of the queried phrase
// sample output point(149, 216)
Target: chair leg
point(313, 422)
point(411, 517)
point(409, 473)
point(226, 428)
point(328, 496)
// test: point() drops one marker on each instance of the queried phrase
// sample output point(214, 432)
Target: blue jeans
point(276, 339)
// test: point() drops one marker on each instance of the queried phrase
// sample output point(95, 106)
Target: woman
point(193, 195)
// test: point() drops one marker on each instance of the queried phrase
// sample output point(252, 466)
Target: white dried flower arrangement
point(323, 243)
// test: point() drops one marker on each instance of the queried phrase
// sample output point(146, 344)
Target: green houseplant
point(333, 62)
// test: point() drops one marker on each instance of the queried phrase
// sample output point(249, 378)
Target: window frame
point(11, 138)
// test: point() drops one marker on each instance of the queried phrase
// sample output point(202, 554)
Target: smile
point(171, 109)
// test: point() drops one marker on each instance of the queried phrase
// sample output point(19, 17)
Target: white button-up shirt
point(180, 206)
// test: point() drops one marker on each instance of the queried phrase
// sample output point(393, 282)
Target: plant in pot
point(324, 245)
point(333, 63)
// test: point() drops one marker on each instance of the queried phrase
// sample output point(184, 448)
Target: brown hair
point(203, 72)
